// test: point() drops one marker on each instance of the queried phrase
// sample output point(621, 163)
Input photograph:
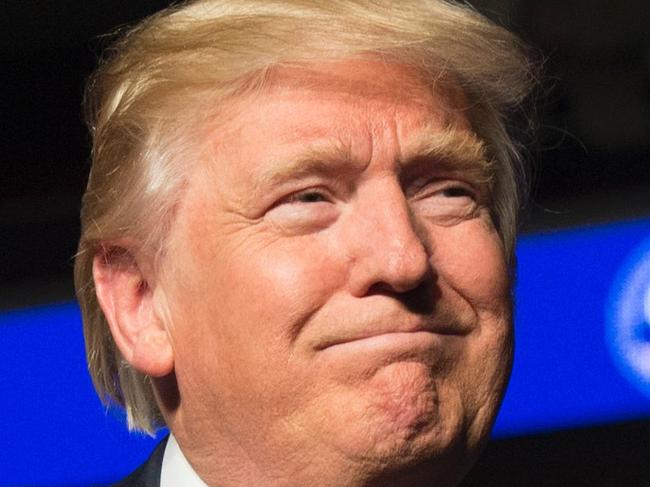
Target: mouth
point(369, 352)
point(373, 337)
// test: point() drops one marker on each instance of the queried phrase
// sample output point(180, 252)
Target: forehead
point(322, 99)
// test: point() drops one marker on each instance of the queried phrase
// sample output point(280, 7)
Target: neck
point(230, 463)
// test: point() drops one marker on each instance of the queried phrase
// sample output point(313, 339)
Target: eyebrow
point(450, 150)
point(327, 159)
point(457, 151)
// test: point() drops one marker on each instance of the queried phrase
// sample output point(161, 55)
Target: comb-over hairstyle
point(163, 81)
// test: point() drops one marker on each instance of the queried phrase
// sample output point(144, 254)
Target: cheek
point(475, 268)
point(471, 263)
point(470, 259)
point(246, 292)
point(282, 283)
point(237, 311)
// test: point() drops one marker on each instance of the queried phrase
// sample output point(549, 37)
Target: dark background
point(591, 159)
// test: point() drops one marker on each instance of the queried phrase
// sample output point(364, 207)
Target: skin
point(334, 303)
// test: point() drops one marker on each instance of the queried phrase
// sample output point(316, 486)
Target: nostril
point(419, 300)
point(423, 298)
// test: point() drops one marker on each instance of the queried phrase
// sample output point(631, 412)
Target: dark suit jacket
point(147, 474)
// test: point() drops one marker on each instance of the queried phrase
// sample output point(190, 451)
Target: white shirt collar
point(176, 470)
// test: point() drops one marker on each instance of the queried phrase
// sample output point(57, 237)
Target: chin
point(430, 459)
point(440, 456)
point(411, 429)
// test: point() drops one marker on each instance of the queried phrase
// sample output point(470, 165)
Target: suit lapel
point(147, 474)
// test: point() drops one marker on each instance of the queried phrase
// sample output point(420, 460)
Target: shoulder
point(147, 474)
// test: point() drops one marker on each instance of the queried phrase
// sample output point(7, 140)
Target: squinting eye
point(302, 212)
point(456, 192)
point(446, 202)
point(307, 197)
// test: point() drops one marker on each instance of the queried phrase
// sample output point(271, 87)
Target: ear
point(127, 300)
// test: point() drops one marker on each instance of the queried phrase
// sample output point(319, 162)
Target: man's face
point(338, 292)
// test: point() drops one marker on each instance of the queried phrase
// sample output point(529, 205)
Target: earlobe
point(127, 300)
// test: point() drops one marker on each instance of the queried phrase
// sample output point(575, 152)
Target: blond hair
point(167, 75)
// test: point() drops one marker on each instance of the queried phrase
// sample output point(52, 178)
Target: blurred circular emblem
point(629, 318)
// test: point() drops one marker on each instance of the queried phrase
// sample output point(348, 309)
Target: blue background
point(56, 432)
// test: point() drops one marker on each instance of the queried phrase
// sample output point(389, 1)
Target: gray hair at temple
point(161, 85)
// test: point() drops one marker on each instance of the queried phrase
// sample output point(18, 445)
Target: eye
point(445, 189)
point(445, 201)
point(309, 196)
point(457, 192)
point(304, 211)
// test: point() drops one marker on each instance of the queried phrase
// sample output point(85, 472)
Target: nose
point(389, 251)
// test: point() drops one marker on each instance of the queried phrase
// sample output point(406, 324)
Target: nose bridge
point(391, 250)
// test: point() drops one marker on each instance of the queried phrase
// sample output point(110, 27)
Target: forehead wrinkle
point(324, 77)
point(453, 149)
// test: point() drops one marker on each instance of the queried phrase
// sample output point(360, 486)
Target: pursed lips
point(432, 326)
